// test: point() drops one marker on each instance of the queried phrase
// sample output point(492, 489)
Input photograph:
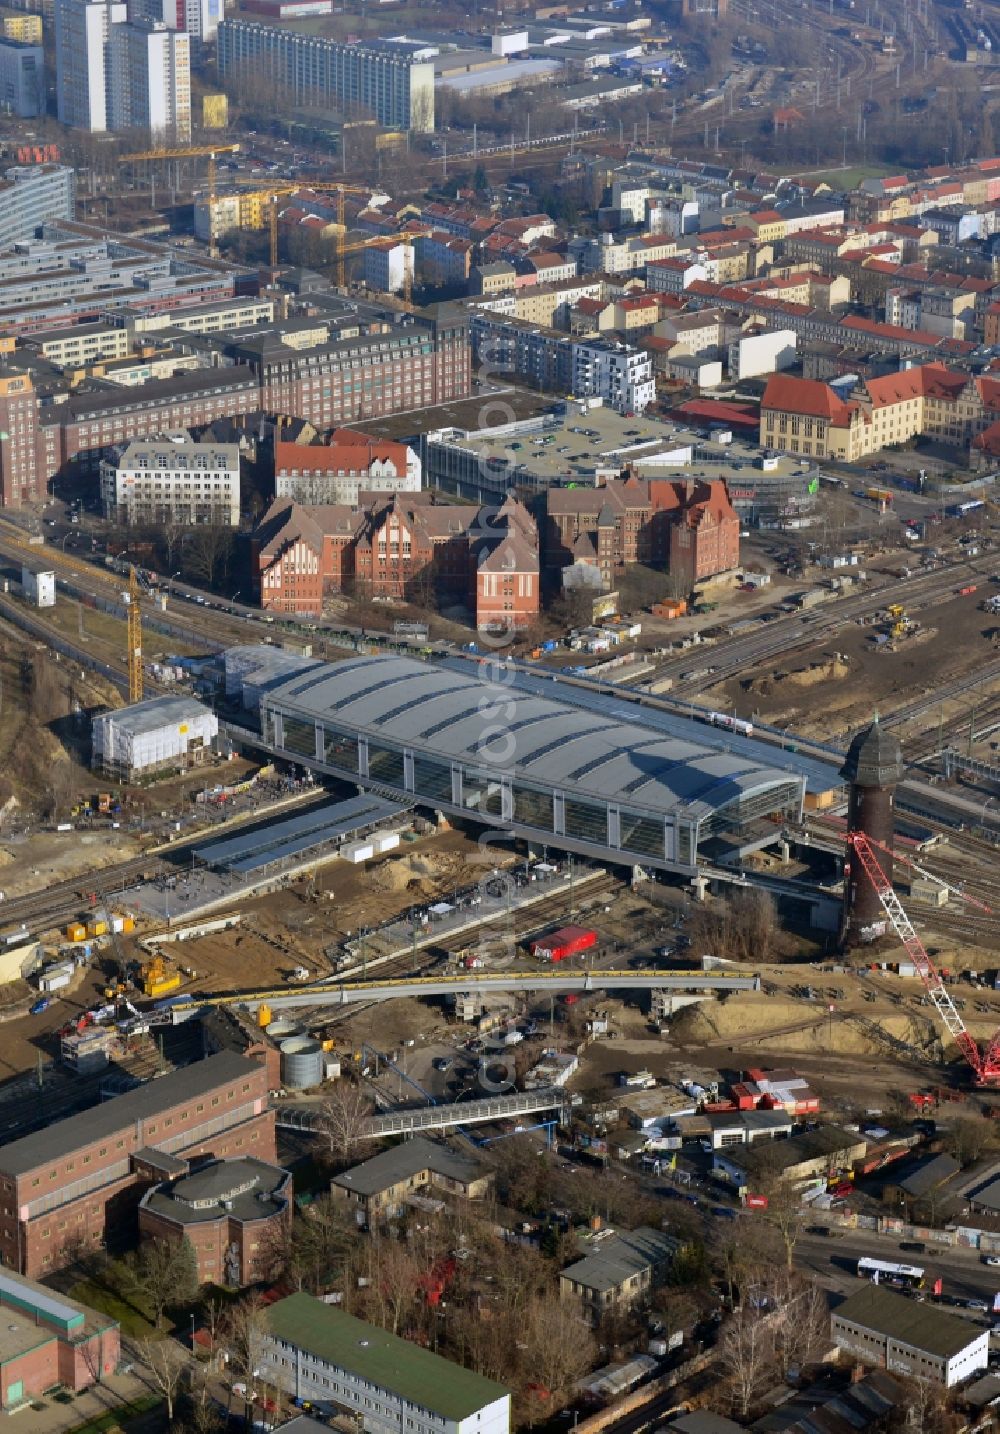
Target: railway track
point(65, 899)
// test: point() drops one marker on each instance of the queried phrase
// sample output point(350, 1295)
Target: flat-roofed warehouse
point(552, 772)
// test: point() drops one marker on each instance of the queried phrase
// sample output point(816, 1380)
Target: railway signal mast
point(984, 1064)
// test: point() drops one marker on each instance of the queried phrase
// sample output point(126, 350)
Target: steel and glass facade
point(473, 746)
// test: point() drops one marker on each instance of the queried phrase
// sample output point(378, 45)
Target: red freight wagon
point(567, 941)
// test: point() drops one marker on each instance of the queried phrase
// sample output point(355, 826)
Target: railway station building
point(471, 744)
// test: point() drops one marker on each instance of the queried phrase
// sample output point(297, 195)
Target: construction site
point(265, 882)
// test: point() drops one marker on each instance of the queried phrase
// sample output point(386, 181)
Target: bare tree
point(969, 1137)
point(245, 1331)
point(394, 1283)
point(208, 550)
point(561, 1346)
point(167, 1365)
point(343, 1119)
point(747, 1349)
point(165, 1273)
point(801, 1320)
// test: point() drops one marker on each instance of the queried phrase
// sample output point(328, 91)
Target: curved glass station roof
point(493, 727)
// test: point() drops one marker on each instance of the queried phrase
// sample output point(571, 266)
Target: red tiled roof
point(806, 397)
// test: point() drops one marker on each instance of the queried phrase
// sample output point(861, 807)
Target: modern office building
point(32, 194)
point(22, 79)
point(343, 1365)
point(385, 81)
point(575, 779)
point(172, 481)
point(80, 1180)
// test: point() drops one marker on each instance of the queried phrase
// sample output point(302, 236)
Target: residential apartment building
point(379, 79)
point(150, 80)
point(30, 195)
point(348, 464)
point(619, 1273)
point(49, 1341)
point(80, 1180)
point(388, 265)
point(26, 28)
point(809, 417)
point(688, 526)
point(172, 481)
point(235, 1214)
point(586, 367)
point(318, 1353)
point(116, 73)
point(443, 259)
point(404, 547)
point(917, 1340)
point(381, 1187)
point(197, 18)
point(83, 72)
point(22, 79)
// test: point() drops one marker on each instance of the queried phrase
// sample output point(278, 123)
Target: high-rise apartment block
point(379, 78)
point(151, 80)
point(22, 79)
point(197, 18)
point(83, 79)
point(113, 74)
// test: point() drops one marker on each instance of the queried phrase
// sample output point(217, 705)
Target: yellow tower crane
point(134, 638)
point(281, 191)
point(190, 151)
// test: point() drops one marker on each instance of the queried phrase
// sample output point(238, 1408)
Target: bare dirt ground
point(832, 687)
point(48, 857)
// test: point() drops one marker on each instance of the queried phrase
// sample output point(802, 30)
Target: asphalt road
point(829, 1259)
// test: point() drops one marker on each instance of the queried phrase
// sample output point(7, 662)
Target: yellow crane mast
point(134, 639)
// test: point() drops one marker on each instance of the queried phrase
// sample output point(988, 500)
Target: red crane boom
point(986, 1067)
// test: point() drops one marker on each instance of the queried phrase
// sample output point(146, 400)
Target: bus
point(881, 1272)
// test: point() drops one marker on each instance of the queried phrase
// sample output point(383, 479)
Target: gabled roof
point(807, 397)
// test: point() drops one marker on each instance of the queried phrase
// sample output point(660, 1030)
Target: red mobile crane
point(985, 1065)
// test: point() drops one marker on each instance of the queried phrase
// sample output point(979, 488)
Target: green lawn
point(133, 1324)
point(848, 178)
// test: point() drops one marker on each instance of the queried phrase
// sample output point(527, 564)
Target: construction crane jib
point(134, 638)
point(986, 1067)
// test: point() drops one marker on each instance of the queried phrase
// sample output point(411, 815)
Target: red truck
point(567, 941)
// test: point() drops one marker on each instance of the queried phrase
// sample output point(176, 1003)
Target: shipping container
point(97, 927)
point(357, 851)
point(76, 931)
point(567, 941)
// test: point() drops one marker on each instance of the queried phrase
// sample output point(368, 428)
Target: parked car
point(42, 1004)
point(993, 1260)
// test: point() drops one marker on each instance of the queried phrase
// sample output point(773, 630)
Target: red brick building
point(687, 526)
point(235, 1213)
point(80, 1181)
point(47, 1339)
point(407, 547)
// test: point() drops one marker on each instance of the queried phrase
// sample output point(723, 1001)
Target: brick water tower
point(873, 767)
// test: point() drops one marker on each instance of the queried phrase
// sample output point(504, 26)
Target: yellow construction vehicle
point(157, 979)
